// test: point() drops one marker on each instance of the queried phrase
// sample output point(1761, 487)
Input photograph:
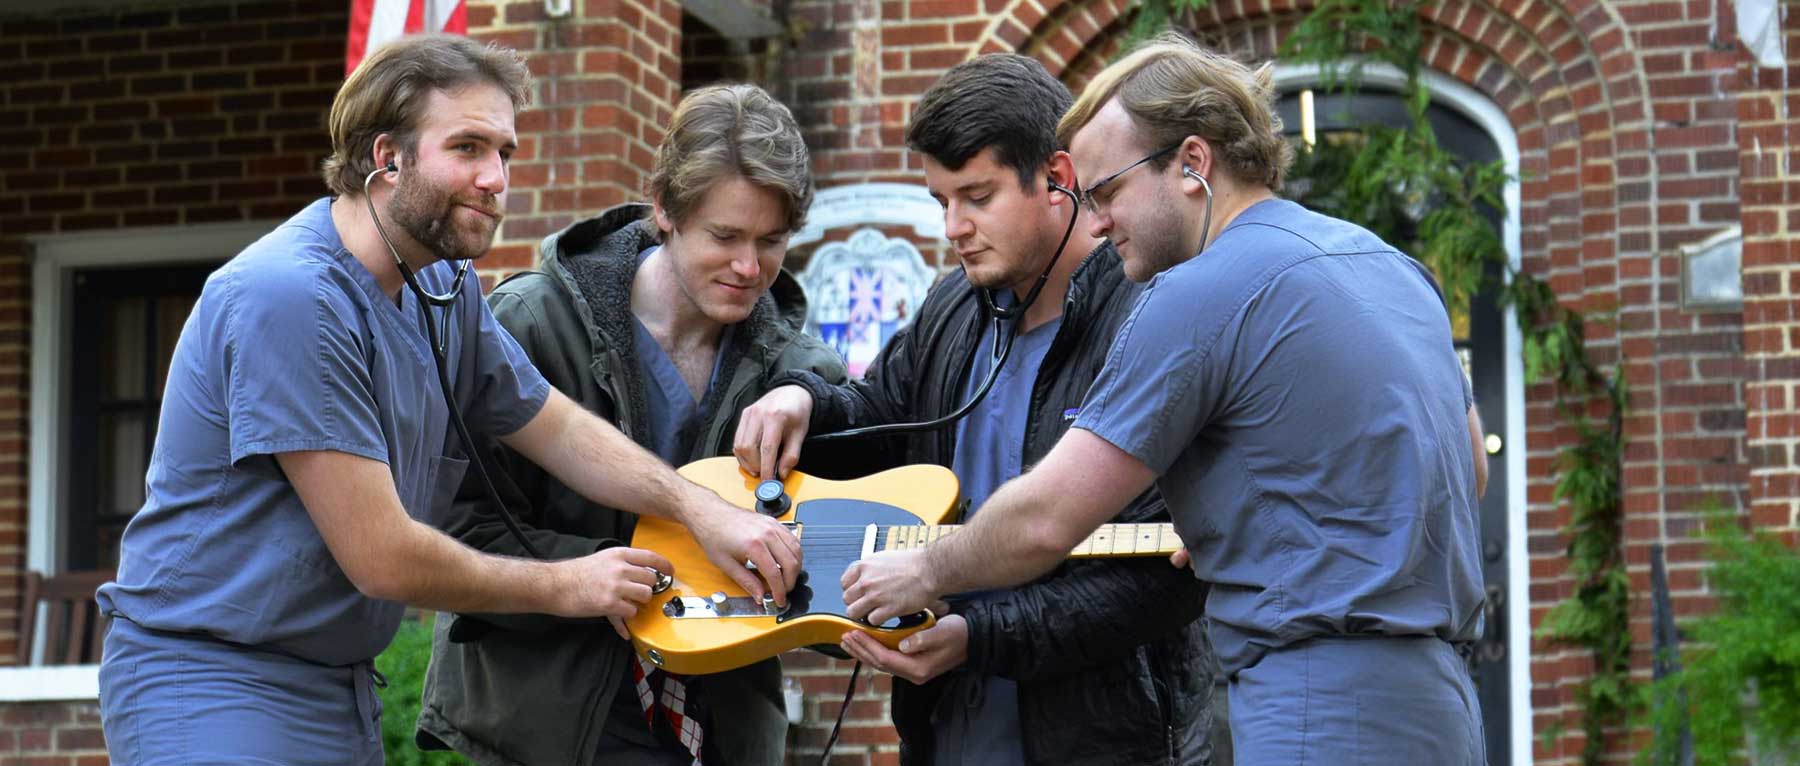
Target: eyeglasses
point(1087, 195)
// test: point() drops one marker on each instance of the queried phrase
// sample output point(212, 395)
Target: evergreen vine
point(1403, 186)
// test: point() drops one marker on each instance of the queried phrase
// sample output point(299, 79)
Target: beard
point(1158, 246)
point(1017, 268)
point(428, 215)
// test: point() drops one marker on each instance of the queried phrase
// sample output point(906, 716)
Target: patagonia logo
point(1070, 413)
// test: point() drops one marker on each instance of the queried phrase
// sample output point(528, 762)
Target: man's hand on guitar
point(923, 656)
point(612, 584)
point(733, 537)
point(770, 431)
point(886, 585)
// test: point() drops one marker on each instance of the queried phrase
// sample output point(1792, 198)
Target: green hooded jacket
point(534, 689)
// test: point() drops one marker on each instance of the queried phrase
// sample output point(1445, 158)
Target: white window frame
point(55, 261)
point(1482, 110)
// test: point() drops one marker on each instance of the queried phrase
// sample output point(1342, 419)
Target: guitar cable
point(838, 728)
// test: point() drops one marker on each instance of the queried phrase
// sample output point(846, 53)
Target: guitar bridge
point(718, 606)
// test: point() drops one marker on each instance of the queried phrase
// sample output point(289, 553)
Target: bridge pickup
point(718, 606)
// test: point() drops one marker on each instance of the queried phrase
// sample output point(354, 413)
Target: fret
point(1146, 538)
point(1123, 541)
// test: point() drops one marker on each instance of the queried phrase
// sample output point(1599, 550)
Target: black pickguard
point(831, 536)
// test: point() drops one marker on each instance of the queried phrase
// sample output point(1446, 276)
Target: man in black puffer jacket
point(1102, 661)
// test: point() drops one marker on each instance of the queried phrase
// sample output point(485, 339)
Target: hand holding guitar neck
point(888, 584)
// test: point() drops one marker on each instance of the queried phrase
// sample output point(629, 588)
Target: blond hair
point(387, 94)
point(1172, 88)
point(722, 131)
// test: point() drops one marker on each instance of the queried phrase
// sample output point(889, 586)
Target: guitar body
point(705, 623)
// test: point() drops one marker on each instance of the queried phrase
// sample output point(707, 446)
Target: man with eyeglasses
point(1100, 661)
point(1288, 382)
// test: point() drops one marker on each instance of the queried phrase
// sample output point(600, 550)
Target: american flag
point(375, 22)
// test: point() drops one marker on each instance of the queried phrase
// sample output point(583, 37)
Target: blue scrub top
point(672, 413)
point(1295, 387)
point(990, 441)
point(978, 715)
point(294, 347)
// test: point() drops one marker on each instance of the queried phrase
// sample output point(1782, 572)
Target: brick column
point(1770, 192)
point(608, 77)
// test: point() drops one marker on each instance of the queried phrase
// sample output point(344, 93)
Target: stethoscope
point(438, 333)
point(997, 353)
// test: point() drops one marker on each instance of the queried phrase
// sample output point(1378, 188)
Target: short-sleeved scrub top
point(293, 346)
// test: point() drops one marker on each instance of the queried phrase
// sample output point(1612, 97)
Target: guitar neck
point(1109, 541)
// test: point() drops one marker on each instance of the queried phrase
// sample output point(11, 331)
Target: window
point(124, 326)
point(106, 309)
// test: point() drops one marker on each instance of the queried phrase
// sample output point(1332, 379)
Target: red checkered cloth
point(668, 692)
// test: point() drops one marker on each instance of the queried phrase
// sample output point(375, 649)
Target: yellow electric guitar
point(702, 622)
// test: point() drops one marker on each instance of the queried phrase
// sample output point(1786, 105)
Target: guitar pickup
point(719, 606)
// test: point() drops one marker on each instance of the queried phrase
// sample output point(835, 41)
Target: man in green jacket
point(666, 320)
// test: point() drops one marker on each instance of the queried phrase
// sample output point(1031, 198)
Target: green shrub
point(1751, 643)
point(404, 664)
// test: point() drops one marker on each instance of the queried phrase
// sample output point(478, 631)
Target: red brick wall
point(1771, 217)
point(159, 116)
point(51, 734)
point(608, 76)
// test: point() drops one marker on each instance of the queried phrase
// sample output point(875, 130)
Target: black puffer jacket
point(1109, 655)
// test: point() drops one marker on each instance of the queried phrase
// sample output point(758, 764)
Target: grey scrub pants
point(170, 698)
point(1357, 701)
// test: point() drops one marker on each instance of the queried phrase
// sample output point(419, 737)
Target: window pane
point(122, 365)
point(106, 551)
point(122, 462)
point(171, 314)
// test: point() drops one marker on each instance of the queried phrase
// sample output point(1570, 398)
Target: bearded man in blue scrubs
point(1287, 381)
point(304, 450)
